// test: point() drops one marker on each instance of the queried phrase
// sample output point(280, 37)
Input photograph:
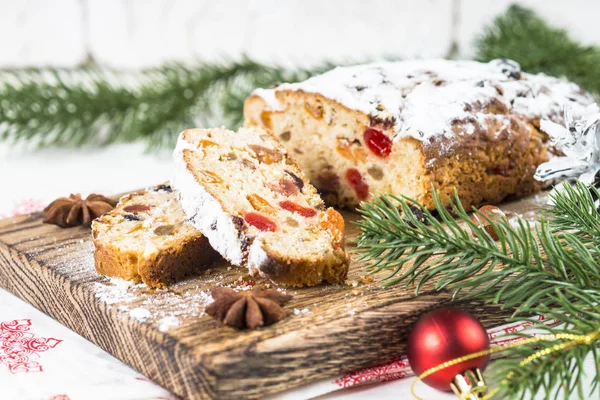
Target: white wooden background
point(137, 33)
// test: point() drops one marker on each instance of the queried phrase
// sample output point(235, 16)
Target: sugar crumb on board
point(167, 308)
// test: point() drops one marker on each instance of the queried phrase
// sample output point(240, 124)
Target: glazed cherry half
point(378, 142)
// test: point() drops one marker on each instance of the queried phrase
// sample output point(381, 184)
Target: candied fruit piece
point(356, 180)
point(206, 143)
point(260, 204)
point(333, 221)
point(265, 118)
point(292, 222)
point(360, 155)
point(211, 177)
point(285, 136)
point(297, 181)
point(287, 186)
point(260, 222)
point(136, 208)
point(378, 142)
point(315, 110)
point(266, 155)
point(164, 230)
point(297, 208)
point(376, 173)
point(350, 151)
point(344, 150)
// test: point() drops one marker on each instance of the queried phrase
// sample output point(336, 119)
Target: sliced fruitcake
point(257, 209)
point(401, 127)
point(147, 237)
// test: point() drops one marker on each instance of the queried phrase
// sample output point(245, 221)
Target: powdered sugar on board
point(167, 308)
point(423, 98)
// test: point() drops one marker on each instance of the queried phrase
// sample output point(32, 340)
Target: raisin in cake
point(147, 237)
point(402, 127)
point(244, 193)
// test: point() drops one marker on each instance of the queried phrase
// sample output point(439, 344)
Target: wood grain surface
point(165, 335)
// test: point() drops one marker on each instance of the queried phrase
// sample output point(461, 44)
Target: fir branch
point(535, 270)
point(521, 35)
point(574, 209)
point(76, 107)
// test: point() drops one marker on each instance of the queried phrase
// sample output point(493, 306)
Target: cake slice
point(257, 209)
point(403, 127)
point(147, 237)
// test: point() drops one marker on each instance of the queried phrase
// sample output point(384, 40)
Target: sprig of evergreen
point(521, 35)
point(65, 107)
point(91, 105)
point(549, 269)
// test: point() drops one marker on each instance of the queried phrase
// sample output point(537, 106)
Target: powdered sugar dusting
point(167, 323)
point(140, 313)
point(167, 308)
point(423, 98)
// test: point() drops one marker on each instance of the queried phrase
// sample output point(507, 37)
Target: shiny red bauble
point(443, 335)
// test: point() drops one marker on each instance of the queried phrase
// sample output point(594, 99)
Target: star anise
point(251, 309)
point(73, 210)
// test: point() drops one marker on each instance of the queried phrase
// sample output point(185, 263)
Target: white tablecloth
point(42, 360)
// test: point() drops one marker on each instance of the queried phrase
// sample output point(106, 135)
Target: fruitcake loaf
point(257, 209)
point(147, 237)
point(401, 127)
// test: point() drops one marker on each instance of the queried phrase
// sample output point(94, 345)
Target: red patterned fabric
point(19, 349)
point(395, 369)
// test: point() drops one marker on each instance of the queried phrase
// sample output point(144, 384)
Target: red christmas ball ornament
point(443, 335)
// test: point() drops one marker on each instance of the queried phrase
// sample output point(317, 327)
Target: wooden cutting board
point(165, 335)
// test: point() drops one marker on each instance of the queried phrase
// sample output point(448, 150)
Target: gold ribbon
point(572, 340)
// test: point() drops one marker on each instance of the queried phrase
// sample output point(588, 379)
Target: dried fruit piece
point(131, 217)
point(328, 181)
point(266, 155)
point(351, 151)
point(164, 230)
point(344, 150)
point(260, 222)
point(287, 186)
point(297, 208)
point(376, 173)
point(333, 221)
point(355, 179)
point(292, 222)
point(164, 187)
point(491, 212)
point(265, 117)
point(260, 204)
point(315, 111)
point(360, 155)
point(285, 136)
point(206, 143)
point(136, 208)
point(211, 177)
point(377, 142)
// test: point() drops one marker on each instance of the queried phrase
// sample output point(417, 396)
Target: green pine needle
point(62, 107)
point(53, 107)
point(521, 35)
point(550, 269)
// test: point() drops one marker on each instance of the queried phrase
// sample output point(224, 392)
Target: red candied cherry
point(378, 142)
point(293, 207)
point(357, 182)
point(260, 222)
